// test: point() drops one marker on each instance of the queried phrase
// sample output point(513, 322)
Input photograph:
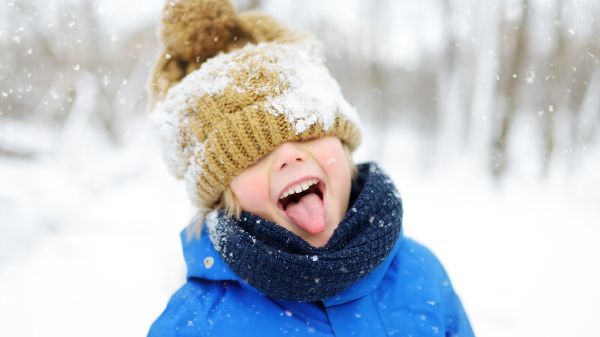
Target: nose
point(287, 154)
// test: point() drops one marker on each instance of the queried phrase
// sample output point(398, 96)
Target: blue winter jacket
point(409, 294)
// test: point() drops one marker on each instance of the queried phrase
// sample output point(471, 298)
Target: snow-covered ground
point(89, 236)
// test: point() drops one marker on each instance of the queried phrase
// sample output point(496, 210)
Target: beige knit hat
point(229, 88)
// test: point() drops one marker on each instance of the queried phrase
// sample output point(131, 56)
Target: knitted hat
point(229, 88)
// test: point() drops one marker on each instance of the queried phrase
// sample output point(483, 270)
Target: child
point(291, 238)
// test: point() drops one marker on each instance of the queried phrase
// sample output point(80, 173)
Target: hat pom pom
point(194, 30)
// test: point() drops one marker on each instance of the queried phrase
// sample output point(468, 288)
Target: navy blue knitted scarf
point(284, 266)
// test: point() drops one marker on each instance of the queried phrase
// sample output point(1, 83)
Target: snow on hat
point(229, 88)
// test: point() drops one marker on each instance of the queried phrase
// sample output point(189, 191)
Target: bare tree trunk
point(448, 106)
point(509, 83)
point(376, 71)
point(587, 117)
point(582, 77)
point(376, 75)
point(555, 92)
point(251, 5)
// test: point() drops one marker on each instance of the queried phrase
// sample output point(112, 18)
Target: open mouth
point(303, 203)
point(294, 193)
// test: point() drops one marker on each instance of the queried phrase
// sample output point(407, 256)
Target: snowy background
point(485, 113)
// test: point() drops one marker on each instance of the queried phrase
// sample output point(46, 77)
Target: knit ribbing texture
point(282, 265)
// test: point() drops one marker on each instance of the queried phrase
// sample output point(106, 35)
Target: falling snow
point(74, 193)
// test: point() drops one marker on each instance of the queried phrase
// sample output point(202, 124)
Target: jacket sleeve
point(184, 313)
point(457, 323)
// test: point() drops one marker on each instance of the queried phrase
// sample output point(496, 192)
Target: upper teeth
point(303, 186)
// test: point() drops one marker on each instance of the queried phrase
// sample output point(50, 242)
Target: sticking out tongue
point(308, 213)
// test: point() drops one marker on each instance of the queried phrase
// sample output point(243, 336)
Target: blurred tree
point(249, 4)
point(511, 71)
point(68, 66)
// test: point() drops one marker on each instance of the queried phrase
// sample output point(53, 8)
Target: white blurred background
point(485, 113)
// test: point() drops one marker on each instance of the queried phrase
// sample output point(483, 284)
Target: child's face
point(320, 167)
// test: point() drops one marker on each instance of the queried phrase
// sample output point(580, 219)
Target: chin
point(319, 240)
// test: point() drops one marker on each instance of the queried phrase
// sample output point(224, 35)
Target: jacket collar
point(203, 261)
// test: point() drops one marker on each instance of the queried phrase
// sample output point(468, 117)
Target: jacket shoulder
point(417, 276)
point(420, 296)
point(187, 309)
point(415, 258)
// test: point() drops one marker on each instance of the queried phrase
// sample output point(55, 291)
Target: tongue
point(308, 213)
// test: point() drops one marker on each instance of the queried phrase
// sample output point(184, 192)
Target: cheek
point(332, 159)
point(251, 192)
